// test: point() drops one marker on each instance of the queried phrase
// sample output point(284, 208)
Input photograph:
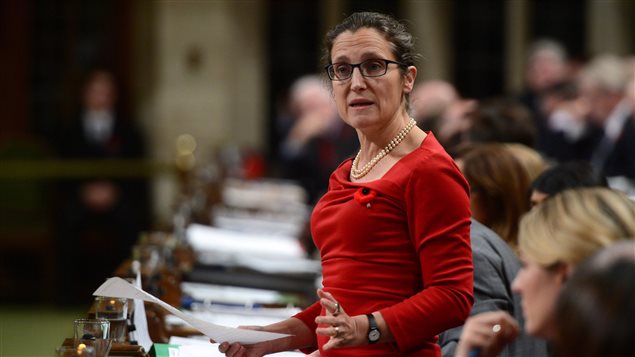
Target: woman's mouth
point(360, 104)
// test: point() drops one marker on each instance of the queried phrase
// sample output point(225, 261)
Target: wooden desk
point(118, 349)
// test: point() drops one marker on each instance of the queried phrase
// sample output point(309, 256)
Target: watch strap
point(372, 323)
point(373, 329)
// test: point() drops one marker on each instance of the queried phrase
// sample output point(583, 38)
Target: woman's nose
point(357, 80)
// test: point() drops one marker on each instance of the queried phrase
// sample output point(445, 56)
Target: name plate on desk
point(164, 350)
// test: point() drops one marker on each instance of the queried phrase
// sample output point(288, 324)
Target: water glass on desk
point(114, 310)
point(93, 333)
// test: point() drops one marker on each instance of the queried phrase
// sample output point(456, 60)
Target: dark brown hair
point(401, 41)
point(499, 185)
point(595, 311)
point(394, 32)
point(502, 120)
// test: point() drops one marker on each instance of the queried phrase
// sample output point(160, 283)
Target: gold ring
point(337, 331)
point(337, 308)
point(496, 328)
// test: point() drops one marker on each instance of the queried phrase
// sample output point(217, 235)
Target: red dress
point(399, 245)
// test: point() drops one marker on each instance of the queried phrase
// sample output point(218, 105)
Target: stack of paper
point(259, 252)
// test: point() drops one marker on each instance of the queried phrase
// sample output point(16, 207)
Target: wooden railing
point(42, 169)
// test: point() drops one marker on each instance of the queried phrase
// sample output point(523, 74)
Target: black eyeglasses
point(368, 68)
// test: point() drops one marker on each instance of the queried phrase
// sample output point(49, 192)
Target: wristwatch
point(373, 331)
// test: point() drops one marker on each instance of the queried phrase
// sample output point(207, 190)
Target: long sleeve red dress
point(399, 245)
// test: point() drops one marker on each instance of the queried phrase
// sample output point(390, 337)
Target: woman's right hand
point(300, 336)
point(239, 350)
point(488, 332)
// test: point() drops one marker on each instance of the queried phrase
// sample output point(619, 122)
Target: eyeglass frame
point(358, 65)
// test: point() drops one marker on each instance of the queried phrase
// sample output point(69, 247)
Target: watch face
point(374, 335)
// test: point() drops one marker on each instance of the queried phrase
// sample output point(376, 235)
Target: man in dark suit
point(602, 86)
point(100, 216)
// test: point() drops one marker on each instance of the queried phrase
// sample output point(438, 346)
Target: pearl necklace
point(359, 173)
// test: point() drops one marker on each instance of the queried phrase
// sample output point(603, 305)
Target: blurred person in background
point(437, 107)
point(100, 215)
point(595, 311)
point(564, 176)
point(501, 120)
point(497, 179)
point(567, 132)
point(393, 228)
point(499, 185)
point(495, 266)
point(554, 238)
point(630, 87)
point(546, 65)
point(430, 102)
point(317, 140)
point(603, 85)
point(533, 163)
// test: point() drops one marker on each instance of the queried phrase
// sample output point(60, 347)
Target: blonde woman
point(554, 238)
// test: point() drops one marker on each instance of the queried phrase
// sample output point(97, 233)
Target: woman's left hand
point(488, 332)
point(343, 330)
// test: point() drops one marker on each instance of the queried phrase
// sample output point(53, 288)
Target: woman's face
point(539, 288)
point(363, 101)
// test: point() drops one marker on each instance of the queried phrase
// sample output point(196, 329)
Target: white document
point(227, 294)
point(226, 242)
point(234, 316)
point(192, 347)
point(142, 333)
point(117, 287)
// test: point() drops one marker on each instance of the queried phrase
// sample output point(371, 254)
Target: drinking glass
point(114, 310)
point(93, 333)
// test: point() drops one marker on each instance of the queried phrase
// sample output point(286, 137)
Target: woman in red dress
point(393, 228)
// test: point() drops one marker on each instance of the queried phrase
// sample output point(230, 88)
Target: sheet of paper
point(230, 294)
point(142, 334)
point(117, 287)
point(192, 347)
point(224, 241)
point(234, 316)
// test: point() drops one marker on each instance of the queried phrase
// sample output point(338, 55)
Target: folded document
point(117, 287)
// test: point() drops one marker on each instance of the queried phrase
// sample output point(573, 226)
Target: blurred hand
point(343, 330)
point(489, 332)
point(456, 119)
point(311, 125)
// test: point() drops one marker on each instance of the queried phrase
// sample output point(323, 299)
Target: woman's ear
point(409, 79)
point(564, 271)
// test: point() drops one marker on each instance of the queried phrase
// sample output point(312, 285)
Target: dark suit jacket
point(495, 266)
point(621, 160)
point(125, 142)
